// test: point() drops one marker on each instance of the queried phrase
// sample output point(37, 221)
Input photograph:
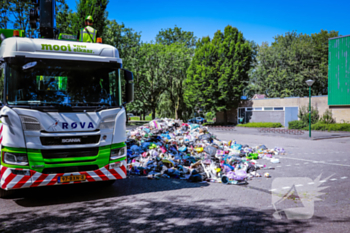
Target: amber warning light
point(99, 40)
point(16, 33)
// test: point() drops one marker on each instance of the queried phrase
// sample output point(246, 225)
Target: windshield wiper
point(101, 108)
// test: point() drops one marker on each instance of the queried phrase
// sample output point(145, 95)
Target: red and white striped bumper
point(11, 180)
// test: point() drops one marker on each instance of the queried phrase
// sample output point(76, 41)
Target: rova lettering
point(75, 125)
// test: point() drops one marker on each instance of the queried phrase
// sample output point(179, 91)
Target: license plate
point(64, 179)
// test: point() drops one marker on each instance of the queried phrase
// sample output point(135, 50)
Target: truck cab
point(63, 117)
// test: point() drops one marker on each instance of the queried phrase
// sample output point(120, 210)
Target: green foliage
point(179, 46)
point(71, 22)
point(126, 40)
point(210, 115)
point(283, 67)
point(176, 35)
point(219, 71)
point(17, 13)
point(327, 117)
point(149, 70)
point(330, 127)
point(296, 125)
point(261, 125)
point(4, 13)
point(65, 19)
point(304, 114)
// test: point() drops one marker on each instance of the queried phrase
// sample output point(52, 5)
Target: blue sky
point(258, 20)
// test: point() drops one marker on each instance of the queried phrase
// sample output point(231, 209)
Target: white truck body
point(64, 141)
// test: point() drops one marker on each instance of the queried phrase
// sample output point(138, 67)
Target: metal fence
point(284, 131)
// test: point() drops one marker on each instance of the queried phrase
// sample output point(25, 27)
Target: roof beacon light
point(99, 40)
point(15, 33)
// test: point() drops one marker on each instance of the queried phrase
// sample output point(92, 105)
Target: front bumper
point(11, 180)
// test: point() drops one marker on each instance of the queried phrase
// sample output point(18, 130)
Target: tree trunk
point(225, 117)
point(144, 115)
point(176, 113)
point(153, 113)
point(126, 114)
point(179, 113)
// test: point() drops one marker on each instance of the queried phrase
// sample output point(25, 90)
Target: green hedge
point(261, 125)
point(296, 125)
point(330, 127)
point(319, 126)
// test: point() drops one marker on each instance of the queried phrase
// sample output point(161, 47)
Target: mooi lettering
point(66, 48)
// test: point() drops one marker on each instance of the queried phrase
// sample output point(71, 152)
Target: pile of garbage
point(168, 148)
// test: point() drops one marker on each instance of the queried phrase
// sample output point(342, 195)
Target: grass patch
point(261, 125)
point(137, 118)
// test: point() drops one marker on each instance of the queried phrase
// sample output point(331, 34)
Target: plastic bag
point(236, 146)
point(239, 175)
point(210, 150)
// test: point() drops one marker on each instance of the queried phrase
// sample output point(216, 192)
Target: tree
point(283, 67)
point(126, 40)
point(179, 59)
point(19, 12)
point(65, 19)
point(219, 71)
point(4, 13)
point(149, 68)
point(320, 47)
point(176, 35)
point(180, 49)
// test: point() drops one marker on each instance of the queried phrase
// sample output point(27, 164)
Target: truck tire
point(4, 193)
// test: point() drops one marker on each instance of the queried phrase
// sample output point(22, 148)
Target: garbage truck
point(63, 117)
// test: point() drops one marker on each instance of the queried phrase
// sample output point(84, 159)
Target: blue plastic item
point(236, 146)
point(145, 145)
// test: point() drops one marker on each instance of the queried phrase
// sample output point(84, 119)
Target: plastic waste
point(167, 148)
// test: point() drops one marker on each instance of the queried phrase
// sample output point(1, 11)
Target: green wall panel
point(339, 71)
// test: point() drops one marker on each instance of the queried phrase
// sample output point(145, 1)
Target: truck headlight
point(107, 123)
point(118, 153)
point(30, 123)
point(15, 158)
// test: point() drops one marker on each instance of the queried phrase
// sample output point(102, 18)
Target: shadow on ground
point(65, 194)
point(137, 204)
point(144, 215)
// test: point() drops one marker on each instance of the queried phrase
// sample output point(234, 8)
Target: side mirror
point(129, 86)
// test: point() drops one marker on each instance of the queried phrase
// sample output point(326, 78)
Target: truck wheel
point(4, 193)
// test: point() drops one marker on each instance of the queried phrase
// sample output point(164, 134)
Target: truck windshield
point(67, 83)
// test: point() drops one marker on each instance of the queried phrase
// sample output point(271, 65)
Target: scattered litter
point(167, 148)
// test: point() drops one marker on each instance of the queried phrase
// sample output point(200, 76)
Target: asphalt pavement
point(137, 204)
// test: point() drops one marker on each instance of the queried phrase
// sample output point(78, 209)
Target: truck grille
point(71, 140)
point(56, 170)
point(69, 153)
